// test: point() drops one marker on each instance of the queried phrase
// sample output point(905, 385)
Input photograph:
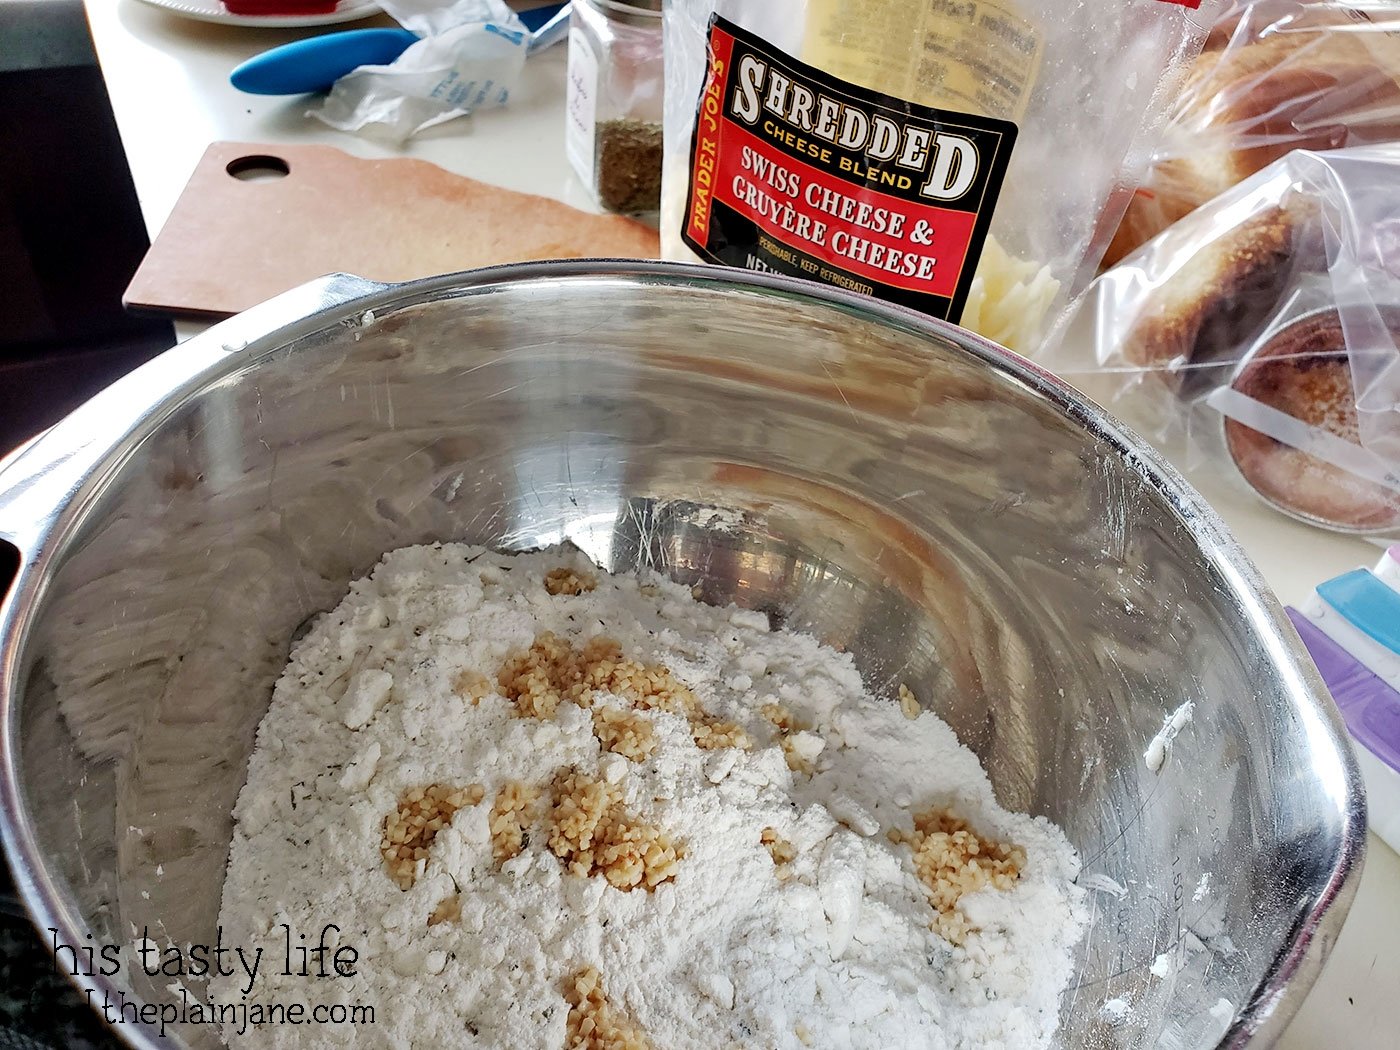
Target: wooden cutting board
point(232, 242)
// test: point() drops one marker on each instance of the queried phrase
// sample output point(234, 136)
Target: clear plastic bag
point(470, 56)
point(1274, 76)
point(969, 158)
point(1264, 327)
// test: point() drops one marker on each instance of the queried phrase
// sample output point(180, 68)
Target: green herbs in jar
point(629, 165)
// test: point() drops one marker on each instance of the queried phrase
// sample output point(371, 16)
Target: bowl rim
point(51, 483)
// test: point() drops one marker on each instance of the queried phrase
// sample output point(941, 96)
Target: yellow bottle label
point(971, 56)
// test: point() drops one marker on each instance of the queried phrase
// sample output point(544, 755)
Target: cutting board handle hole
point(258, 169)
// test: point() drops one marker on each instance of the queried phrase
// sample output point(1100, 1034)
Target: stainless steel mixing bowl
point(955, 518)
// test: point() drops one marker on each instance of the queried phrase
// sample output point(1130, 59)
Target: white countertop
point(168, 80)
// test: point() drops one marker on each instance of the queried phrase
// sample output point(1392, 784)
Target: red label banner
point(868, 234)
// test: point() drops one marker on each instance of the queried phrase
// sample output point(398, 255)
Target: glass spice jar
point(615, 84)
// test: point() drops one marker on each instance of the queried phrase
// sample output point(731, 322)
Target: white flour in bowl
point(663, 826)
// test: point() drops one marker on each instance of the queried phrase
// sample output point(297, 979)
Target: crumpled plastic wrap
point(1275, 75)
point(1264, 327)
point(470, 57)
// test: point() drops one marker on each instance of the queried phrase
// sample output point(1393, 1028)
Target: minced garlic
point(410, 830)
point(952, 861)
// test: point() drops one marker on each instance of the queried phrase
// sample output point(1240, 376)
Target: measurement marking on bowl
point(1122, 831)
point(1124, 970)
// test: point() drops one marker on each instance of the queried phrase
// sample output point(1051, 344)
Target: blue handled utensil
point(316, 63)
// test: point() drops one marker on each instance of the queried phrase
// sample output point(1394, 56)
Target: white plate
point(213, 11)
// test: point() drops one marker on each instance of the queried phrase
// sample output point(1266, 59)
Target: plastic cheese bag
point(968, 158)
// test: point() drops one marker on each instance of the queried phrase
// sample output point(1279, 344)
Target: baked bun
point(1304, 372)
point(1218, 294)
point(1291, 76)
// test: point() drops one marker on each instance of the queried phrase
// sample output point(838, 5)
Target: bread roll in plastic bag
point(1264, 328)
point(1275, 76)
point(968, 158)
